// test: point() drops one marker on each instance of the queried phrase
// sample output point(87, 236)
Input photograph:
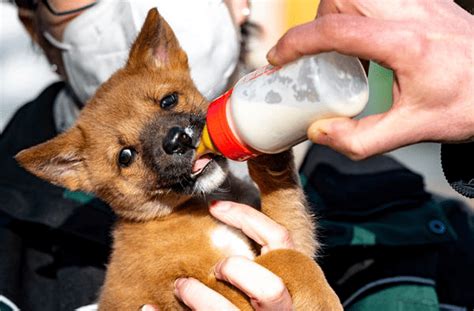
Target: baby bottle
point(270, 109)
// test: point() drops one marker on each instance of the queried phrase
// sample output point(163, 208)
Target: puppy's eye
point(169, 101)
point(126, 157)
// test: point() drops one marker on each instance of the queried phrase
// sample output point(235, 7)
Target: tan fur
point(162, 234)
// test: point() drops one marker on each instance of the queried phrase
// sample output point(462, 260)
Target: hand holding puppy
point(265, 289)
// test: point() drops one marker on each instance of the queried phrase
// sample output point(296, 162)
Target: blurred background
point(24, 73)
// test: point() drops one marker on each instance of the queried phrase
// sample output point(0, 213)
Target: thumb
point(359, 139)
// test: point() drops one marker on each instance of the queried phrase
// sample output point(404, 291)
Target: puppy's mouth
point(201, 164)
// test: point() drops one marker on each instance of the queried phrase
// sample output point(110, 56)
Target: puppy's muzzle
point(177, 141)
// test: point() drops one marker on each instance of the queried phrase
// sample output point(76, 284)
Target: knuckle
point(327, 23)
point(347, 138)
point(356, 151)
point(356, 157)
point(227, 265)
point(286, 41)
point(283, 236)
point(419, 44)
point(275, 292)
point(354, 147)
point(184, 288)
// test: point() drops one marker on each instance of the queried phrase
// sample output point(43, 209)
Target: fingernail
point(317, 133)
point(148, 308)
point(271, 55)
point(220, 206)
point(179, 282)
point(217, 269)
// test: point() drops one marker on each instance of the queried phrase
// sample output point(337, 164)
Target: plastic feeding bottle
point(269, 110)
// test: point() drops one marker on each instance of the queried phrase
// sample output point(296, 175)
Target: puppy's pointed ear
point(59, 161)
point(156, 46)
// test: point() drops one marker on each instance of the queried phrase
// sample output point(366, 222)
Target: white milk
point(270, 109)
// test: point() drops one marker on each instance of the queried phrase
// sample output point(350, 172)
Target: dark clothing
point(458, 167)
point(54, 244)
point(381, 230)
point(378, 226)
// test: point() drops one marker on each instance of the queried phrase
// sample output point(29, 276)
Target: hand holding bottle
point(428, 45)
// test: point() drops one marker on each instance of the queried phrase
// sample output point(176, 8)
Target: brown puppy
point(134, 147)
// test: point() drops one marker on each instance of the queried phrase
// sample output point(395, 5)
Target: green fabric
point(394, 228)
point(399, 298)
point(361, 236)
point(78, 196)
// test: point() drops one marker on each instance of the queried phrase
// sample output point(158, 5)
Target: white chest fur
point(231, 242)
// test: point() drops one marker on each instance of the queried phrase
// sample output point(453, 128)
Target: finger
point(149, 308)
point(359, 36)
point(359, 139)
point(327, 7)
point(266, 290)
point(256, 225)
point(198, 296)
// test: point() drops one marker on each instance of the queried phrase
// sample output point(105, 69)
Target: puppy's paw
point(304, 279)
point(274, 170)
point(274, 163)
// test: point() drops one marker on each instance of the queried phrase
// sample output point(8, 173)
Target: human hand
point(429, 47)
point(265, 289)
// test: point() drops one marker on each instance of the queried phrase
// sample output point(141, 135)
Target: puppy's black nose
point(177, 141)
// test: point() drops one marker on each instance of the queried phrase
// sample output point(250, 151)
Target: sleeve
point(457, 161)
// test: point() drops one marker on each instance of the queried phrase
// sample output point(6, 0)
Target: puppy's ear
point(156, 46)
point(59, 161)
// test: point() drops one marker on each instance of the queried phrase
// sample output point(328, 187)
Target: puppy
point(134, 147)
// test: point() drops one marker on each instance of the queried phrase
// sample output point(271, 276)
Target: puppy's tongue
point(201, 163)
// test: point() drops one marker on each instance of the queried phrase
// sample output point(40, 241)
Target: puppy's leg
point(282, 199)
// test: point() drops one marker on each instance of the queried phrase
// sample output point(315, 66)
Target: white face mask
point(96, 43)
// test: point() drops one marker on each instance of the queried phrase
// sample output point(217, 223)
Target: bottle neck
point(206, 145)
point(220, 135)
